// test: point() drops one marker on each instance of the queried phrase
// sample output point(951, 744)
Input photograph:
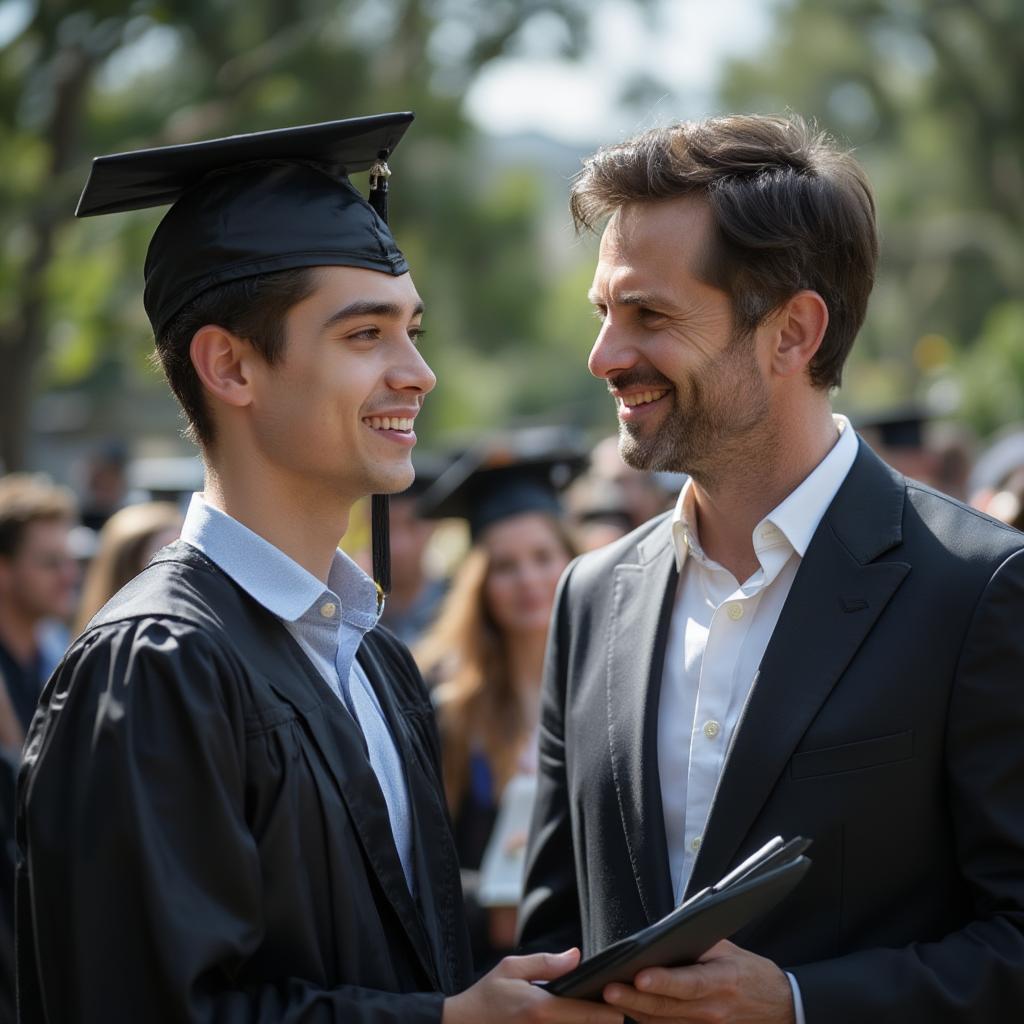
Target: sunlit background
point(509, 95)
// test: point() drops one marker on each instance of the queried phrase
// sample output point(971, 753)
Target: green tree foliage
point(931, 94)
point(75, 82)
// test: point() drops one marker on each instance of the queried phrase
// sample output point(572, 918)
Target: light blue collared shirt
point(329, 623)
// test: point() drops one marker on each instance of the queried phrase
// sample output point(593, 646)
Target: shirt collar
point(794, 520)
point(271, 577)
point(798, 515)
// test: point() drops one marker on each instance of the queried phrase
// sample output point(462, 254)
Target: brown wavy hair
point(791, 210)
point(465, 657)
point(119, 557)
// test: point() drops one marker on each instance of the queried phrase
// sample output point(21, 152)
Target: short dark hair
point(253, 308)
point(791, 211)
point(27, 498)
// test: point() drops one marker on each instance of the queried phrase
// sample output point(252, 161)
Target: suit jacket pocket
point(850, 757)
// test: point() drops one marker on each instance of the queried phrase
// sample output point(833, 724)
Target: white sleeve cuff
point(798, 1003)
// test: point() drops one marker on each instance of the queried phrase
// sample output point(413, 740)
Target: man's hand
point(505, 996)
point(729, 984)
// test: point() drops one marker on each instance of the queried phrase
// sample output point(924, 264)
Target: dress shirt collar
point(273, 579)
point(791, 524)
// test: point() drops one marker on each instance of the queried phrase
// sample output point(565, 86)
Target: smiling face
point(336, 411)
point(689, 390)
point(525, 558)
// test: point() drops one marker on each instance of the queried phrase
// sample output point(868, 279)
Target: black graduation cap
point(899, 427)
point(254, 204)
point(505, 476)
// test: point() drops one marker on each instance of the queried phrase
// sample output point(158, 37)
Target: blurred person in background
point(953, 445)
point(104, 484)
point(997, 485)
point(38, 579)
point(10, 756)
point(38, 576)
point(484, 656)
point(1007, 504)
point(126, 543)
point(996, 466)
point(645, 494)
point(597, 511)
point(416, 594)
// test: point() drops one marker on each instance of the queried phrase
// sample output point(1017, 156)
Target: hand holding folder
point(689, 931)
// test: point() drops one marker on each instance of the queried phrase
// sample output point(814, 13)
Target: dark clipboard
point(689, 931)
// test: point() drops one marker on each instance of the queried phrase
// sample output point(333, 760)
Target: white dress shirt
point(719, 632)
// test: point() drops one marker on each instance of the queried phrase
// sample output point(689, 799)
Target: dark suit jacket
point(201, 834)
point(887, 724)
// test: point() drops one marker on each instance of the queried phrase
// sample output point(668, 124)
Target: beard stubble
point(714, 425)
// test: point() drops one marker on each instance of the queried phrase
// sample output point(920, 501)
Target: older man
point(809, 644)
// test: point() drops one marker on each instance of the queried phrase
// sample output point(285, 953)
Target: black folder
point(689, 931)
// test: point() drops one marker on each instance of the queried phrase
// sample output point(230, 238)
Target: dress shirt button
point(328, 609)
point(712, 729)
point(734, 609)
point(695, 843)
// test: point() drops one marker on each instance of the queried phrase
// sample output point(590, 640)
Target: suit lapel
point(434, 856)
point(343, 750)
point(837, 596)
point(642, 597)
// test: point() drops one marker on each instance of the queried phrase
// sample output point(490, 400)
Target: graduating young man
point(231, 807)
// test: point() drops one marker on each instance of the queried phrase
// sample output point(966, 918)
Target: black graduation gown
point(202, 838)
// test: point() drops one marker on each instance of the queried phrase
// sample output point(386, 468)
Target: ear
point(799, 328)
point(222, 360)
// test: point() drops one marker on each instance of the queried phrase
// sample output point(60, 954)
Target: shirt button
point(734, 609)
point(328, 609)
point(695, 843)
point(712, 729)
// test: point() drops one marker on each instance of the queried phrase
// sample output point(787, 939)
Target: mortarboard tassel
point(380, 525)
point(380, 537)
point(378, 197)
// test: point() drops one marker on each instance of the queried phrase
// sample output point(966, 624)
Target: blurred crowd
point(478, 545)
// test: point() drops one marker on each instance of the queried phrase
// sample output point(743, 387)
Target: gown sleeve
point(140, 888)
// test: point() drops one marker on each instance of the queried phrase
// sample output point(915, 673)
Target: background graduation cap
point(255, 204)
point(507, 475)
point(429, 466)
point(898, 427)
